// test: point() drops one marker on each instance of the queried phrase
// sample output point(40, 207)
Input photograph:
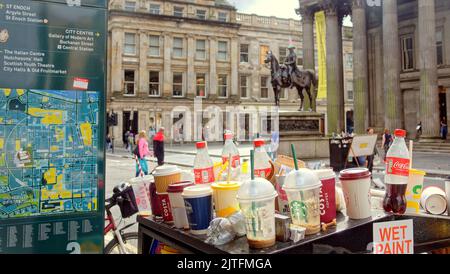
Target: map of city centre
point(48, 152)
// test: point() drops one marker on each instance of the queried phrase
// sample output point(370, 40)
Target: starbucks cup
point(198, 203)
point(303, 191)
point(177, 204)
point(327, 195)
point(166, 175)
point(433, 200)
point(225, 201)
point(414, 190)
point(257, 202)
point(356, 187)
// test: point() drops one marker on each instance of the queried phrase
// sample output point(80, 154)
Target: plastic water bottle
point(397, 173)
point(230, 148)
point(262, 160)
point(203, 165)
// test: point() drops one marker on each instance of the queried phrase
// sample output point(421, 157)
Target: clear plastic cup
point(224, 195)
point(257, 203)
point(303, 191)
point(414, 190)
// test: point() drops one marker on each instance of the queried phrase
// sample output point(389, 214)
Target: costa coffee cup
point(433, 200)
point(327, 195)
point(166, 210)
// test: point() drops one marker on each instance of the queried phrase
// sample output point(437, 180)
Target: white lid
point(146, 178)
point(165, 170)
point(197, 191)
point(436, 204)
point(301, 179)
point(256, 189)
point(325, 173)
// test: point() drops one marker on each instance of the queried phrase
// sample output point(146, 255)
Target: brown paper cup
point(163, 182)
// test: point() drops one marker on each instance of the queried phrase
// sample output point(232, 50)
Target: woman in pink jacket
point(142, 144)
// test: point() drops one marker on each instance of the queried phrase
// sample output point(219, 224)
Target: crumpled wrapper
point(224, 230)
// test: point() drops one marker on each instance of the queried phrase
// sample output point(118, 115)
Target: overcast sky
point(279, 8)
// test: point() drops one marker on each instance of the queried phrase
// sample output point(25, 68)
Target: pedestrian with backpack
point(140, 152)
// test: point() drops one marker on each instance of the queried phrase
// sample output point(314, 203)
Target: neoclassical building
point(166, 57)
point(401, 54)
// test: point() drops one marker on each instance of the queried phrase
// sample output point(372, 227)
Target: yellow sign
point(322, 54)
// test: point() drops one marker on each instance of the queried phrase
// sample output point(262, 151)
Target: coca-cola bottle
point(262, 160)
point(230, 149)
point(397, 172)
point(203, 165)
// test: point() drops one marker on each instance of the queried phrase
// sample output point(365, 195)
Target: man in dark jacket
point(158, 146)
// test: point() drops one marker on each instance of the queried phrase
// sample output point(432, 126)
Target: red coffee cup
point(165, 208)
point(154, 202)
point(327, 198)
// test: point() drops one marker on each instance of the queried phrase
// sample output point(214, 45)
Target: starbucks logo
point(298, 208)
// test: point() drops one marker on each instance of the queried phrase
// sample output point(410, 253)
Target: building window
point(155, 9)
point(282, 53)
point(130, 43)
point(201, 84)
point(177, 47)
point(264, 87)
point(200, 51)
point(154, 45)
point(349, 61)
point(263, 50)
point(129, 82)
point(222, 51)
point(350, 94)
point(154, 88)
point(407, 49)
point(244, 53)
point(243, 83)
point(201, 14)
point(223, 16)
point(178, 11)
point(222, 85)
point(177, 84)
point(440, 47)
point(130, 6)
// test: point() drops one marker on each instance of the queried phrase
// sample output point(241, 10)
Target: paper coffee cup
point(225, 201)
point(433, 200)
point(198, 203)
point(356, 187)
point(414, 190)
point(166, 175)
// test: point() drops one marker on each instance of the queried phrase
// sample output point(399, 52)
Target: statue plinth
point(306, 130)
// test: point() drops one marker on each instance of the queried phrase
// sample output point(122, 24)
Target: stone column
point(143, 71)
point(234, 68)
point(191, 85)
point(428, 96)
point(393, 100)
point(360, 75)
point(335, 75)
point(212, 68)
point(308, 38)
point(117, 130)
point(117, 39)
point(167, 78)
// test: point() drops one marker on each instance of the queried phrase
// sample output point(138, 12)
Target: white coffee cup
point(356, 187)
point(447, 192)
point(433, 200)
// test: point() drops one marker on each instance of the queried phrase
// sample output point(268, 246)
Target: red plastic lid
point(258, 142)
point(201, 144)
point(400, 133)
point(228, 136)
point(179, 187)
point(354, 173)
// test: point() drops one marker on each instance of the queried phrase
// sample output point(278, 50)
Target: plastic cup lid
point(146, 178)
point(165, 170)
point(354, 173)
point(197, 191)
point(226, 185)
point(325, 173)
point(417, 172)
point(256, 189)
point(179, 187)
point(301, 179)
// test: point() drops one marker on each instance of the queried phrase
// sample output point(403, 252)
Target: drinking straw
point(229, 169)
point(294, 155)
point(252, 170)
point(410, 154)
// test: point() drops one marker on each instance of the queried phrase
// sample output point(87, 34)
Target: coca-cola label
point(263, 173)
point(397, 166)
point(235, 160)
point(204, 175)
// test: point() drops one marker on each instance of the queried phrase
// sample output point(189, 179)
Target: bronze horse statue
point(303, 80)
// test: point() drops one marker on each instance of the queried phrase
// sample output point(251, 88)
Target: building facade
point(185, 64)
point(401, 69)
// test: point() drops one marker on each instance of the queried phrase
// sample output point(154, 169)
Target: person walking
point(142, 151)
point(125, 139)
point(387, 141)
point(444, 129)
point(158, 146)
point(130, 142)
point(108, 142)
point(370, 158)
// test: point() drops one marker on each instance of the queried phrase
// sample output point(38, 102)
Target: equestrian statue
point(288, 75)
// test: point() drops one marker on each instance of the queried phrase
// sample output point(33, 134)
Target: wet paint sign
point(395, 237)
